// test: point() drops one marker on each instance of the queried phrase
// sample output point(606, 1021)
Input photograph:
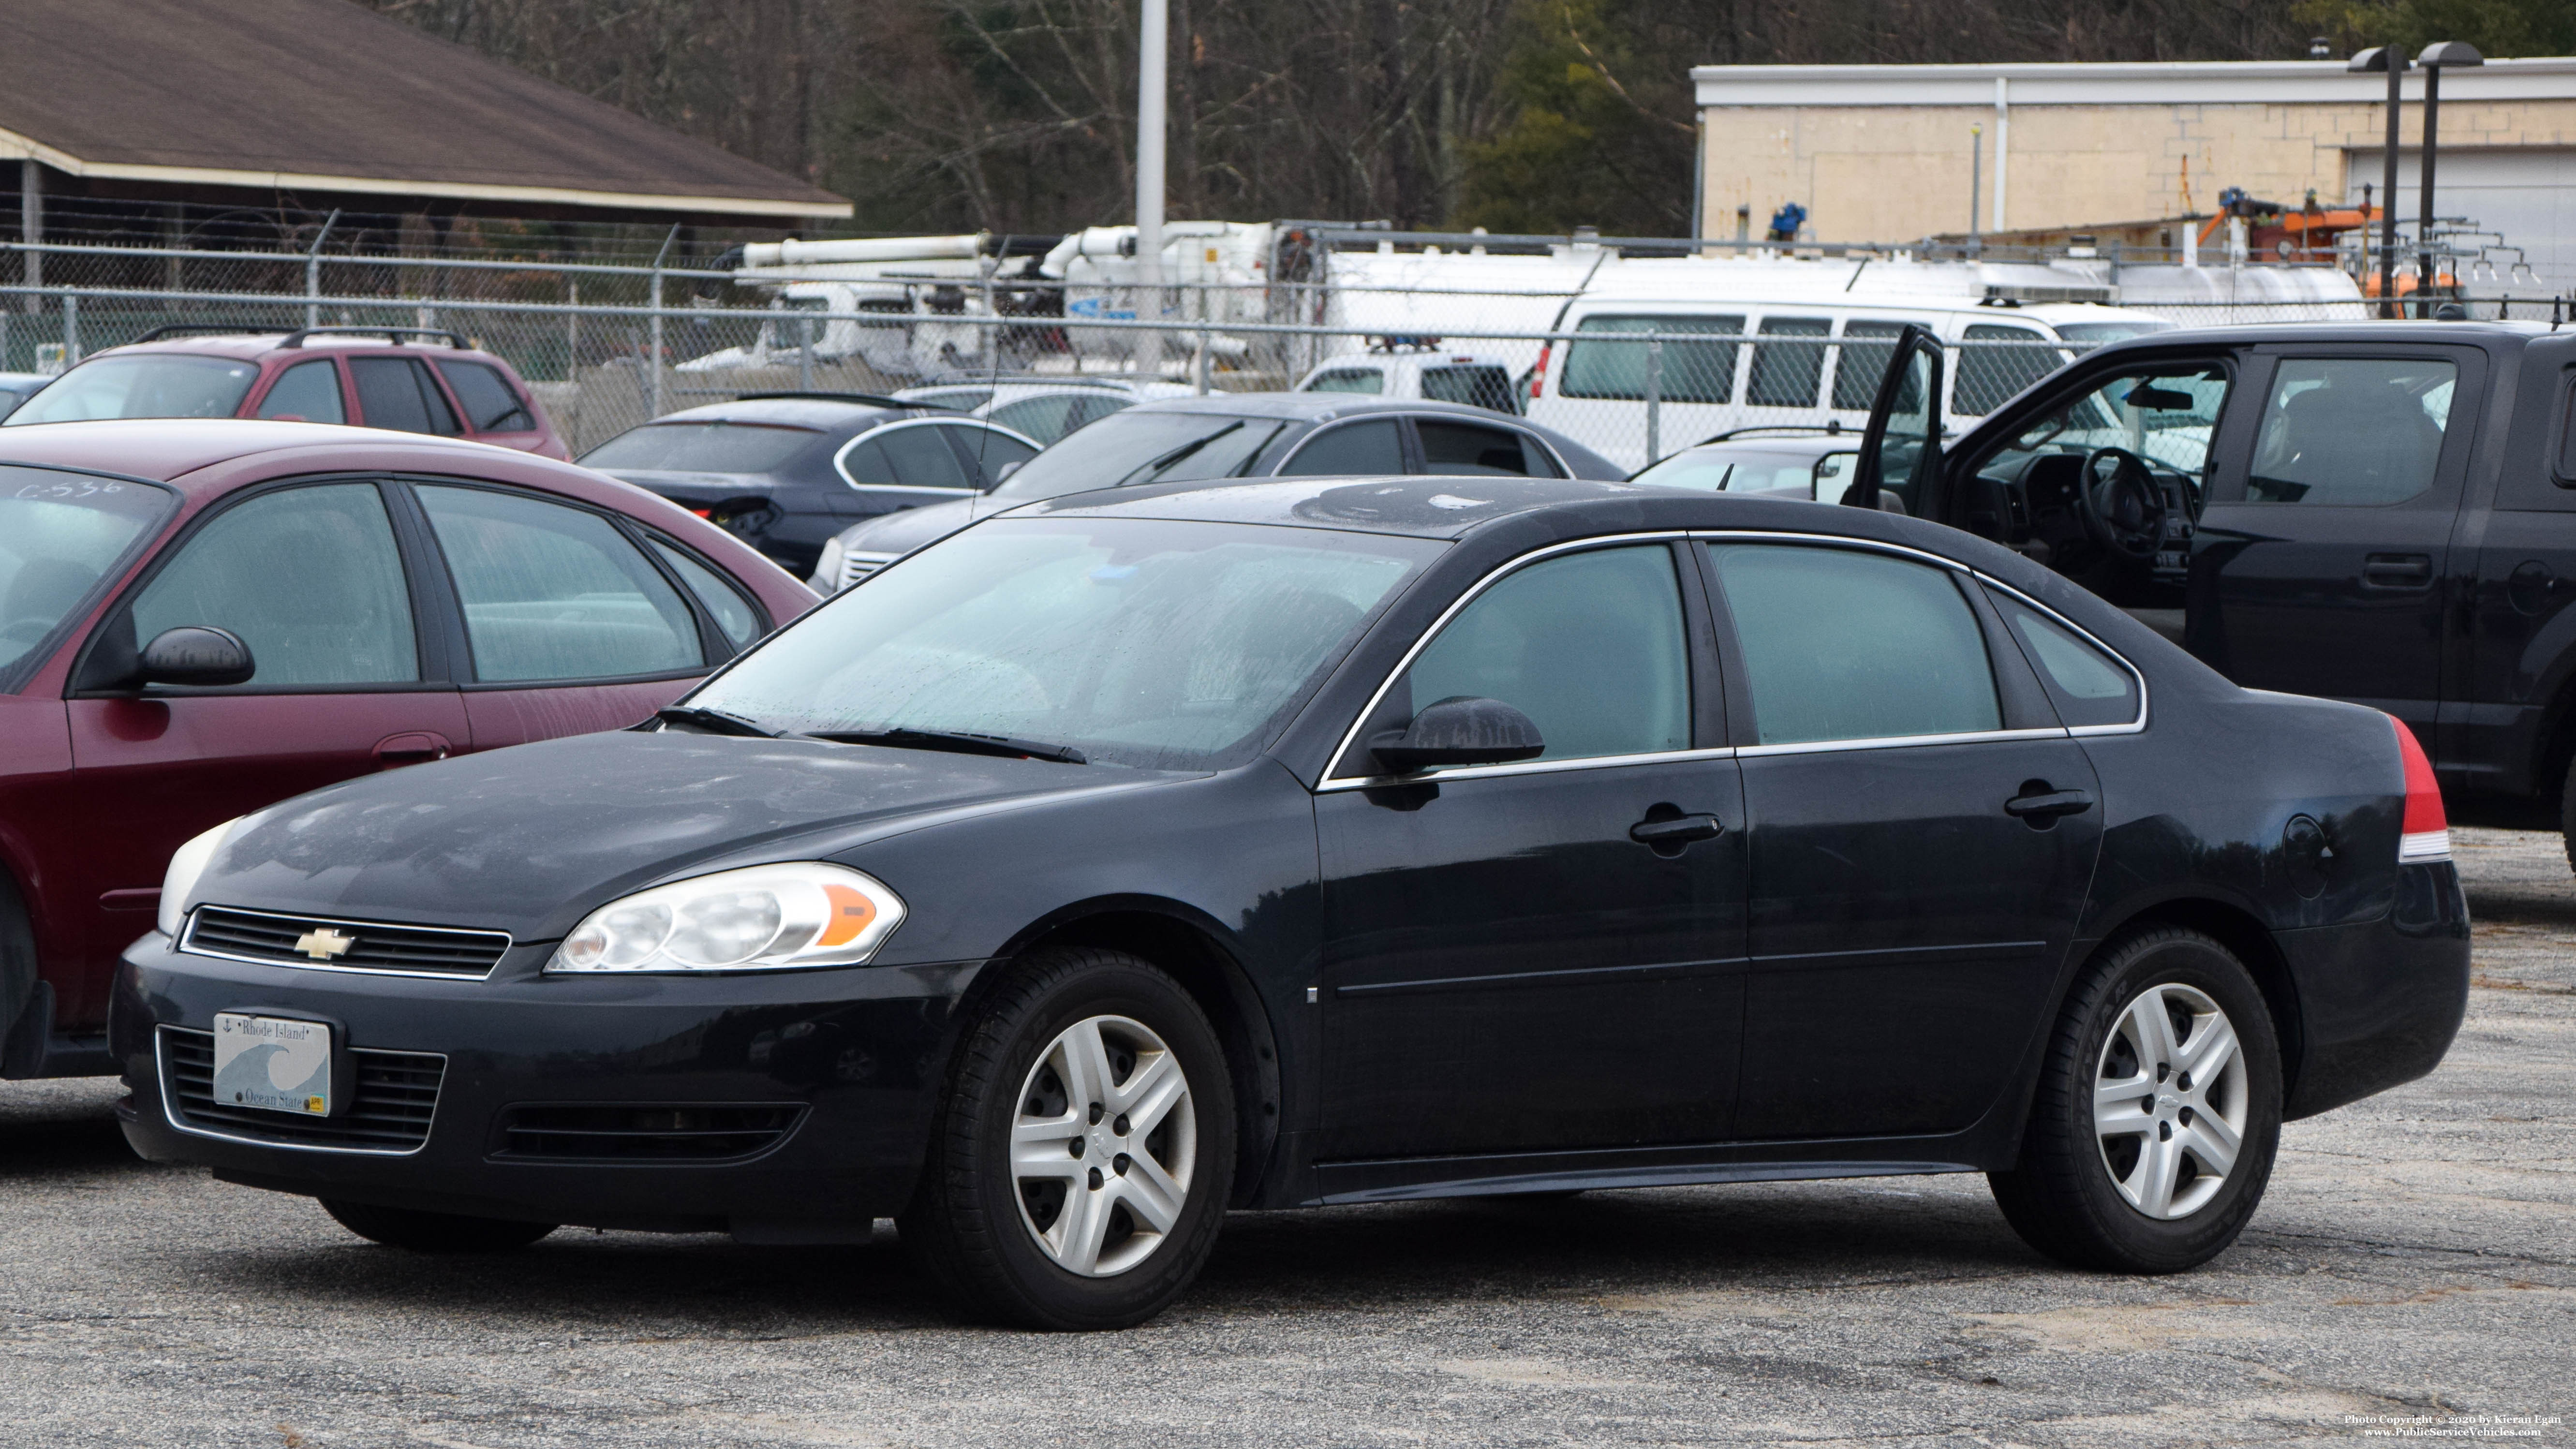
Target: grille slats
point(419, 950)
point(396, 1096)
point(632, 1133)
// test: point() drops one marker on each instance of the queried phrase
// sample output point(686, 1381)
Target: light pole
point(2384, 58)
point(2434, 57)
point(1153, 44)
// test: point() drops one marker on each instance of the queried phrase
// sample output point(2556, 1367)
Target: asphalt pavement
point(2412, 1272)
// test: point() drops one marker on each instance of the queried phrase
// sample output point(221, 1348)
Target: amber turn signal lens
point(851, 913)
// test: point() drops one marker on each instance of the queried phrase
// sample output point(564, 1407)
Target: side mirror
point(1459, 730)
point(195, 654)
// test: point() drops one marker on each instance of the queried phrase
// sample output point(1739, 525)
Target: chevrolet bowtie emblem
point(325, 944)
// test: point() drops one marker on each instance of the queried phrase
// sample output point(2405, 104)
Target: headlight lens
point(763, 918)
point(187, 863)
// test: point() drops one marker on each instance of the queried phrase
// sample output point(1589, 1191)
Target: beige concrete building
point(1882, 152)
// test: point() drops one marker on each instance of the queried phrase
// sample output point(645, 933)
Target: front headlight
point(187, 863)
point(761, 918)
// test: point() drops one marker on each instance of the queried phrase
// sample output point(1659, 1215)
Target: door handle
point(2397, 570)
point(2048, 804)
point(414, 748)
point(1681, 830)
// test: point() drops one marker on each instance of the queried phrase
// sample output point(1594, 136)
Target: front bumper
point(2379, 1002)
point(849, 1060)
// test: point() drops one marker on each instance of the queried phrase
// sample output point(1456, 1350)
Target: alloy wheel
point(1103, 1146)
point(2170, 1101)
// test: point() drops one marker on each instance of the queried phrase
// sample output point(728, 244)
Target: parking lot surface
point(2413, 1268)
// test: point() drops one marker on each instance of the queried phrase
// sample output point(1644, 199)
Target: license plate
point(273, 1064)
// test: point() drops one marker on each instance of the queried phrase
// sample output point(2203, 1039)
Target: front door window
point(309, 578)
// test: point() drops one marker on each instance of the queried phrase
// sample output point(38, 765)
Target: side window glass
point(491, 404)
point(1354, 379)
point(2088, 686)
point(1043, 418)
point(308, 390)
point(922, 459)
point(1361, 448)
point(865, 462)
point(1988, 376)
point(552, 592)
point(1843, 644)
point(734, 616)
point(395, 392)
point(1588, 645)
point(309, 578)
point(1786, 374)
point(1597, 365)
point(2567, 438)
point(1862, 364)
point(1464, 449)
point(2351, 430)
point(988, 451)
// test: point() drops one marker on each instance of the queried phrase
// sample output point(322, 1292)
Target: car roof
point(1312, 406)
point(796, 412)
point(254, 346)
point(1818, 442)
point(2488, 334)
point(167, 450)
point(1443, 507)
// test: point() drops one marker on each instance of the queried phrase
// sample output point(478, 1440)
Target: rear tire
point(2130, 1164)
point(421, 1232)
point(1084, 1150)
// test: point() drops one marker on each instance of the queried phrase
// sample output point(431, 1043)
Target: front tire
point(422, 1232)
point(2152, 1134)
point(1080, 1163)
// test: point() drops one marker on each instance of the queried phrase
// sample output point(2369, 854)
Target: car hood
point(912, 528)
point(531, 839)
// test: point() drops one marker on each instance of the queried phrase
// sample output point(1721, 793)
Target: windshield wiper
point(963, 741)
point(1155, 468)
point(716, 721)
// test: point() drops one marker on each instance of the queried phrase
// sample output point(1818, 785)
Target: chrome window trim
point(1332, 782)
point(841, 455)
point(177, 1123)
point(188, 935)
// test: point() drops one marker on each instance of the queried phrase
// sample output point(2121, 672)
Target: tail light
point(1538, 372)
point(2426, 834)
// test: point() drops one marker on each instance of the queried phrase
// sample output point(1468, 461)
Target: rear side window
point(1362, 448)
point(308, 390)
point(491, 404)
point(396, 393)
point(2351, 430)
point(308, 577)
point(552, 592)
point(988, 450)
point(1786, 374)
point(2088, 686)
point(1600, 365)
point(1988, 376)
point(1350, 379)
point(1475, 386)
point(1464, 449)
point(1589, 646)
point(735, 618)
point(1843, 644)
point(921, 459)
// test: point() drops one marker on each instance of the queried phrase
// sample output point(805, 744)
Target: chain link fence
point(609, 345)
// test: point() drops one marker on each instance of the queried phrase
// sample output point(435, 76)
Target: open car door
point(1900, 453)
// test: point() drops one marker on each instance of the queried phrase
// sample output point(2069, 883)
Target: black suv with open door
point(2377, 512)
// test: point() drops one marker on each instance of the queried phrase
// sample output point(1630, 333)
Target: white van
point(1780, 361)
point(1419, 372)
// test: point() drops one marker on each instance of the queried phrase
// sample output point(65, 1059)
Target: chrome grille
point(397, 1093)
point(372, 945)
point(857, 566)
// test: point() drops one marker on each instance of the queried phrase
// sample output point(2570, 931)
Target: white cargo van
point(1785, 359)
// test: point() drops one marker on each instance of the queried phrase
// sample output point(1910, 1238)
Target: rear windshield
point(1479, 386)
point(711, 447)
point(141, 385)
point(60, 533)
point(1142, 447)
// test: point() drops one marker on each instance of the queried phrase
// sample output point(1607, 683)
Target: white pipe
point(2003, 144)
point(865, 249)
point(1153, 44)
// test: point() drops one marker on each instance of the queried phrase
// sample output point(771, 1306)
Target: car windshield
point(1142, 447)
point(141, 385)
point(710, 447)
point(1156, 644)
point(60, 533)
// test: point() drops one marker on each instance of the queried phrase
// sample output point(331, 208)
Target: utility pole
point(2385, 58)
point(1153, 49)
point(1976, 180)
point(2433, 59)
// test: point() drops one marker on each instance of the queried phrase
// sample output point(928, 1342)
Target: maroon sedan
point(198, 618)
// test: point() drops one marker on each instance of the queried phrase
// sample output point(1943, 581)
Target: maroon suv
point(199, 618)
point(410, 379)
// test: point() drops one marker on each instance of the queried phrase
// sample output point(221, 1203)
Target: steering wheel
point(2120, 503)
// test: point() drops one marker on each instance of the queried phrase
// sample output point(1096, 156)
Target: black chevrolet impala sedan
point(1133, 857)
